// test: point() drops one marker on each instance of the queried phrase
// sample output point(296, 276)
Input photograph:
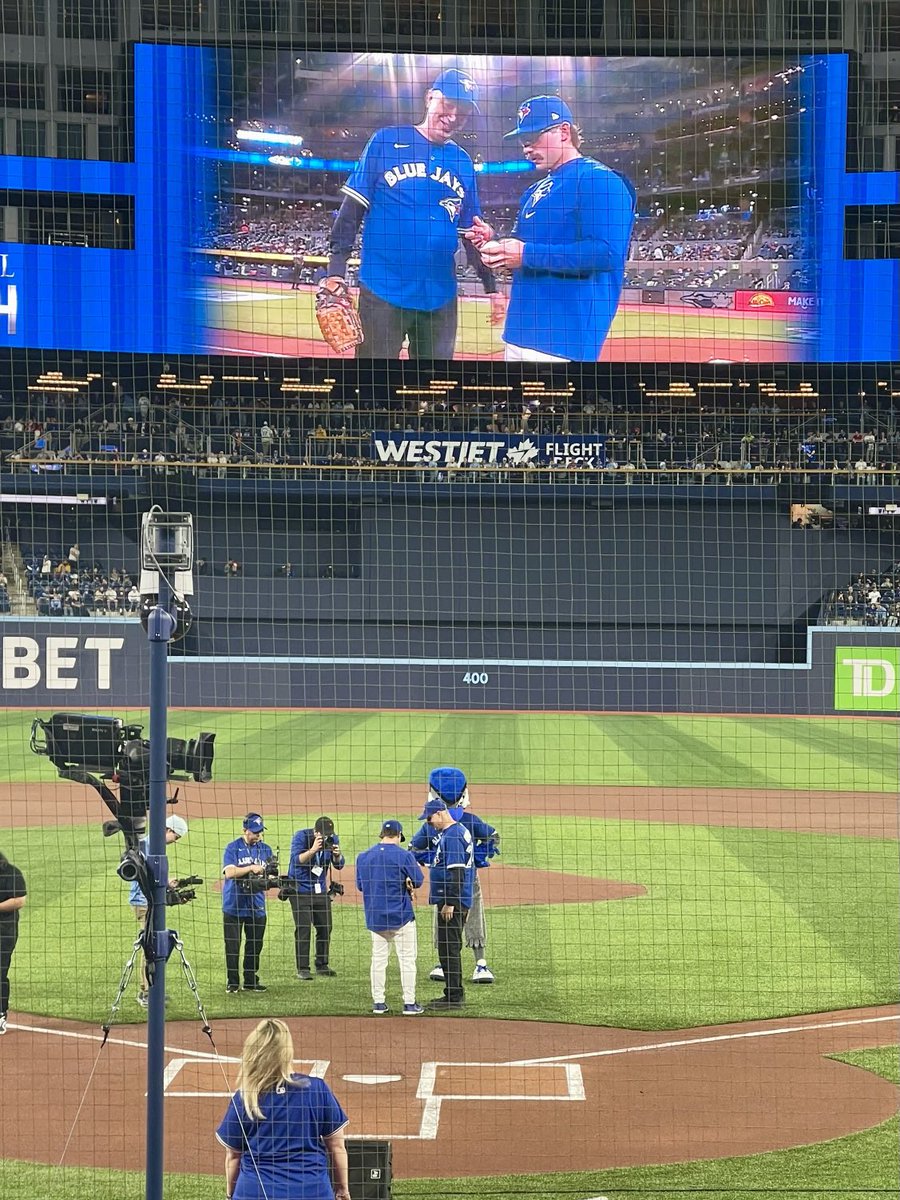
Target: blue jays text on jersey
point(576, 225)
point(418, 196)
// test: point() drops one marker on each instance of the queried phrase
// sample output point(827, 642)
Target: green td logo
point(867, 678)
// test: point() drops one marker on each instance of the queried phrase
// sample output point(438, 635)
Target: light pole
point(167, 545)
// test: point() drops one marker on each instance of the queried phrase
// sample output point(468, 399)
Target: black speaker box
point(370, 1169)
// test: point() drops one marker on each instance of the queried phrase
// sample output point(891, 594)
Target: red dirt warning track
point(437, 1087)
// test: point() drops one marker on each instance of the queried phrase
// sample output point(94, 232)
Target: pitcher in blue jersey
point(568, 246)
point(414, 193)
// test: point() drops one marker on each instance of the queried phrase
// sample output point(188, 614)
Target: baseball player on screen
point(568, 246)
point(414, 192)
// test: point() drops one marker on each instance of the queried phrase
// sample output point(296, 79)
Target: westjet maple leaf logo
point(523, 454)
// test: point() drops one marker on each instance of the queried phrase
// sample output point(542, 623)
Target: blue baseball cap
point(392, 829)
point(449, 783)
point(457, 85)
point(540, 113)
point(432, 806)
point(253, 822)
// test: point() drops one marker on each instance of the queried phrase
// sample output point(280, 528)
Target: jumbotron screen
point(385, 206)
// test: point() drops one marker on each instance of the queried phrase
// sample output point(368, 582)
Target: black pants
point(253, 929)
point(311, 909)
point(449, 948)
point(431, 334)
point(9, 934)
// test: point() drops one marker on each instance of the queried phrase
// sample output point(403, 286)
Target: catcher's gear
point(337, 316)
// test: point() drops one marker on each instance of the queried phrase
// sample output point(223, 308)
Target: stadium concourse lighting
point(270, 139)
point(167, 544)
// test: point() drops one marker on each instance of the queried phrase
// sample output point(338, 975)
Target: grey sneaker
point(143, 999)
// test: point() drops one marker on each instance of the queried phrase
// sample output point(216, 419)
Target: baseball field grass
point(274, 311)
point(733, 924)
point(863, 1166)
point(358, 747)
point(730, 924)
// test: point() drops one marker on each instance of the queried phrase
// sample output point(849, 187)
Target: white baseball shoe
point(482, 973)
point(437, 973)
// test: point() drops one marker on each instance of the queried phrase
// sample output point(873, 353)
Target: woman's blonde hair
point(265, 1063)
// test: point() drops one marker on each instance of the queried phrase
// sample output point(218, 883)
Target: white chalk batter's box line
point(431, 1112)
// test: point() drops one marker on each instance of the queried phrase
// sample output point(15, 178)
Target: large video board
point(486, 208)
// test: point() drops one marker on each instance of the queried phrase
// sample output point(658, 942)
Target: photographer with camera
point(176, 828)
point(12, 899)
point(314, 853)
point(245, 865)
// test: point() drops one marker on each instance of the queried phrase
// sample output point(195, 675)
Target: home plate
point(372, 1079)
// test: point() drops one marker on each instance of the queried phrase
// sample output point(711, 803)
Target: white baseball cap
point(178, 825)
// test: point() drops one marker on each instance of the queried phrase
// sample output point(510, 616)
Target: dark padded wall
point(639, 581)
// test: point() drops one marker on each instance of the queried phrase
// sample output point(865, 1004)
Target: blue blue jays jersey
point(576, 225)
point(418, 196)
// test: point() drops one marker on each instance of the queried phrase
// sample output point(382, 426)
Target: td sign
point(867, 678)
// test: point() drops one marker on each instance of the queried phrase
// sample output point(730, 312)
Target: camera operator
point(176, 828)
point(314, 852)
point(244, 865)
point(12, 898)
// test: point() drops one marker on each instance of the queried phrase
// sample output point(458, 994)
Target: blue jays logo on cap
point(457, 85)
point(540, 113)
point(254, 823)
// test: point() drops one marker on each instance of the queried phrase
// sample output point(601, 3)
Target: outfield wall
point(103, 663)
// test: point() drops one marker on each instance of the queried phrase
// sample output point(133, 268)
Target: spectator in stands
point(46, 568)
point(232, 568)
point(267, 439)
point(134, 599)
point(74, 606)
point(74, 556)
point(202, 566)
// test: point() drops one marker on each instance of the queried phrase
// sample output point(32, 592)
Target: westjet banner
point(488, 450)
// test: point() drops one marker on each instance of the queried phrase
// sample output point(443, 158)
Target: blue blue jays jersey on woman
point(418, 196)
point(576, 224)
point(282, 1154)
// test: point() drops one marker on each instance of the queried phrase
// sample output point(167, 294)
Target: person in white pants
point(387, 875)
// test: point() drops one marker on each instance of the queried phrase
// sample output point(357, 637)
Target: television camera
point(92, 749)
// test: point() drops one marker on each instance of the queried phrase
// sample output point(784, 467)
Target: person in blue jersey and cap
point(244, 864)
point(450, 785)
point(568, 246)
point(387, 875)
point(414, 193)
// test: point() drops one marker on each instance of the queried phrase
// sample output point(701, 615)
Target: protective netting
point(641, 604)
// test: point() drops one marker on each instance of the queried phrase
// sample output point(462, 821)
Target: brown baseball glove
point(337, 316)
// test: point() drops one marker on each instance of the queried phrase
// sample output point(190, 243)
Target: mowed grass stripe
point(520, 748)
point(843, 756)
point(671, 753)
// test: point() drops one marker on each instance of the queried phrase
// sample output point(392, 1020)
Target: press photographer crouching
point(314, 854)
point(247, 865)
